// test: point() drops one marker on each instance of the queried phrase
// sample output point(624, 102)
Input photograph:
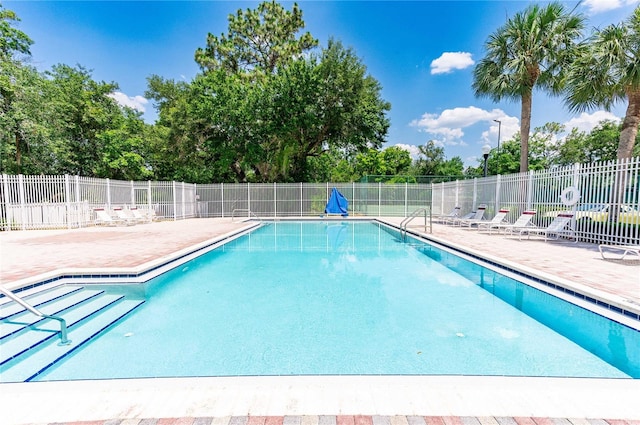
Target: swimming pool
point(313, 298)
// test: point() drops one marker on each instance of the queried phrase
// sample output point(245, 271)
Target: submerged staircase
point(29, 344)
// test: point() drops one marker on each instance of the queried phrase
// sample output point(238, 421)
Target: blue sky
point(422, 53)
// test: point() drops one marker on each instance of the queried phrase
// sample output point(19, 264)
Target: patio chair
point(499, 218)
point(476, 217)
point(555, 230)
point(625, 249)
point(522, 222)
point(122, 215)
point(138, 215)
point(104, 218)
point(443, 218)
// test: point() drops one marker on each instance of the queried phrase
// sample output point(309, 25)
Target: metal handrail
point(404, 223)
point(63, 324)
point(248, 211)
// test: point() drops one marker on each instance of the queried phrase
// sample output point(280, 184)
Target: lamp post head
point(486, 149)
point(498, 121)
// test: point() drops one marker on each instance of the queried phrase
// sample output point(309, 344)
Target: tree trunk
point(525, 127)
point(625, 150)
point(629, 125)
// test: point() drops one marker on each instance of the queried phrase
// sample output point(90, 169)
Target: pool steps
point(29, 342)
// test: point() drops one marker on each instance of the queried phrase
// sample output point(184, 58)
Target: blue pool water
point(349, 298)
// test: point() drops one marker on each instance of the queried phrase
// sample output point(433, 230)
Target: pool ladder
point(405, 223)
point(64, 340)
point(247, 211)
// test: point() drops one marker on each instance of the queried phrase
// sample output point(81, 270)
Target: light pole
point(499, 128)
point(485, 154)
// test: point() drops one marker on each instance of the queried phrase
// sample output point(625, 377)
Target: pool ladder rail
point(64, 340)
point(247, 211)
point(405, 223)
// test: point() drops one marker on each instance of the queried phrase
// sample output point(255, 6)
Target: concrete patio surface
point(26, 254)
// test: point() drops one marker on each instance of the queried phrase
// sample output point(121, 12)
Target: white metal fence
point(45, 202)
point(606, 190)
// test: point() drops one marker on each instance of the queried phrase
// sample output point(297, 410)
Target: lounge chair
point(625, 249)
point(522, 222)
point(476, 217)
point(499, 218)
point(122, 215)
point(555, 230)
point(138, 215)
point(104, 218)
point(443, 218)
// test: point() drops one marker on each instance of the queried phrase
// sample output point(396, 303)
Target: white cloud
point(412, 149)
point(449, 61)
point(135, 102)
point(599, 6)
point(448, 126)
point(586, 122)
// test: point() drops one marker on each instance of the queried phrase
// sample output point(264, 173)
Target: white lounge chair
point(499, 218)
point(122, 215)
point(625, 249)
point(104, 218)
point(138, 215)
point(560, 226)
point(476, 217)
point(522, 222)
point(443, 218)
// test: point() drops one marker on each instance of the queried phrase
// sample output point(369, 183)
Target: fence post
point(175, 205)
point(248, 197)
point(222, 198)
point(133, 195)
point(475, 193)
point(67, 199)
point(6, 200)
point(406, 195)
point(498, 184)
point(353, 195)
point(108, 195)
point(275, 198)
point(184, 206)
point(21, 200)
point(149, 195)
point(529, 189)
point(301, 199)
point(379, 198)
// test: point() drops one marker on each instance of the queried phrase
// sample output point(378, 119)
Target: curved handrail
point(246, 210)
point(405, 223)
point(63, 324)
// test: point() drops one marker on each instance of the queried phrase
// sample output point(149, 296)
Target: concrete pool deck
point(302, 400)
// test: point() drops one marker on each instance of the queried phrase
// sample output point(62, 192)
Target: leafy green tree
point(19, 93)
point(124, 150)
point(430, 159)
point(258, 40)
point(25, 120)
point(324, 103)
point(543, 146)
point(12, 40)
point(451, 168)
point(332, 165)
point(83, 110)
point(600, 144)
point(396, 161)
point(532, 50)
point(199, 133)
point(607, 71)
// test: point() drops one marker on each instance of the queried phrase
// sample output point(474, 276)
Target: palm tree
point(607, 71)
point(533, 49)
